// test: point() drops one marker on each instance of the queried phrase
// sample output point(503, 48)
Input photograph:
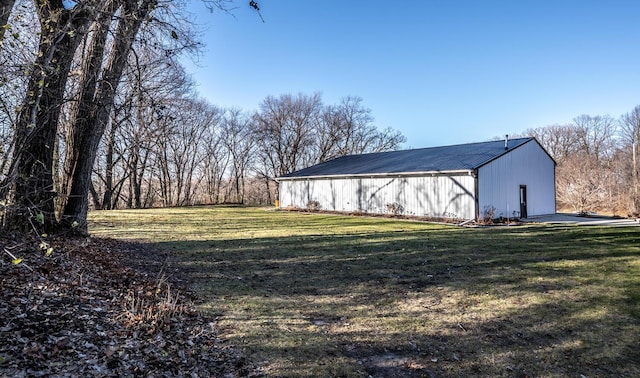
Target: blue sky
point(442, 72)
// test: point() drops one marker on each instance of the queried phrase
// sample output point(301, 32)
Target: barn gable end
point(527, 171)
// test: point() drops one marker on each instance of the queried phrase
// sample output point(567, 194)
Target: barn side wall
point(499, 182)
point(450, 196)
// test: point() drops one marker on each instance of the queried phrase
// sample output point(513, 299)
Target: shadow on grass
point(526, 301)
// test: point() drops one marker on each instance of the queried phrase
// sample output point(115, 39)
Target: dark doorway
point(523, 201)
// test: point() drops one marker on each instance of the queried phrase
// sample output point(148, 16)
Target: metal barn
point(504, 178)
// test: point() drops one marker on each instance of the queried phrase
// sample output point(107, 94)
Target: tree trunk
point(92, 127)
point(134, 190)
point(108, 191)
point(83, 106)
point(117, 190)
point(636, 204)
point(95, 197)
point(31, 191)
point(266, 179)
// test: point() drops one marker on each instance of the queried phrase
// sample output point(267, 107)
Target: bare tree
point(237, 137)
point(5, 11)
point(96, 103)
point(110, 168)
point(154, 79)
point(561, 141)
point(185, 153)
point(387, 139)
point(297, 131)
point(630, 126)
point(285, 128)
point(214, 166)
point(30, 177)
point(28, 185)
point(582, 183)
point(15, 54)
point(591, 167)
point(630, 135)
point(596, 135)
point(90, 73)
point(179, 154)
point(348, 128)
point(355, 129)
point(328, 134)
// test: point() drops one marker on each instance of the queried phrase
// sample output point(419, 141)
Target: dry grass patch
point(326, 295)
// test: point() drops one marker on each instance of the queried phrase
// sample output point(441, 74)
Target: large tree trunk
point(90, 129)
point(91, 68)
point(31, 192)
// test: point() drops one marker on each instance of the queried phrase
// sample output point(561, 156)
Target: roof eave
point(379, 175)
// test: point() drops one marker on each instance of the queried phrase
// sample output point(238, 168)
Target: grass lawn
point(315, 295)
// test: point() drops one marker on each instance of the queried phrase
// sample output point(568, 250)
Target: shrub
point(313, 206)
point(395, 208)
point(488, 214)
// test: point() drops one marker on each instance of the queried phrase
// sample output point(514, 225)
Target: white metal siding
point(437, 196)
point(499, 182)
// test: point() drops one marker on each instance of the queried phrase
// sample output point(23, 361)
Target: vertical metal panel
point(449, 196)
point(499, 182)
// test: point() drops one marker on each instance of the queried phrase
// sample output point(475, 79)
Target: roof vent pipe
point(506, 142)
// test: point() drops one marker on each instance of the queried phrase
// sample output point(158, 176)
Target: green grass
point(325, 295)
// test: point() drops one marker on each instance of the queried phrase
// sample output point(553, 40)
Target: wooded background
point(97, 111)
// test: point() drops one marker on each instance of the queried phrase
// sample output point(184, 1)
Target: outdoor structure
point(504, 178)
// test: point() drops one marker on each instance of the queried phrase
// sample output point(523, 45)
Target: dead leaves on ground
point(88, 310)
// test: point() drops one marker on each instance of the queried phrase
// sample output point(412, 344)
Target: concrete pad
point(591, 220)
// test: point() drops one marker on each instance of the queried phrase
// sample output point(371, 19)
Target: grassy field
point(315, 295)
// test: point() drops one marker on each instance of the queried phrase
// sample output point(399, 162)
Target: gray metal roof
point(435, 159)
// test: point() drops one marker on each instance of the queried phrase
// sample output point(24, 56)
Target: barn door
point(523, 201)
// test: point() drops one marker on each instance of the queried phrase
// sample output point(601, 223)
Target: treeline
point(97, 111)
point(597, 159)
point(185, 151)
